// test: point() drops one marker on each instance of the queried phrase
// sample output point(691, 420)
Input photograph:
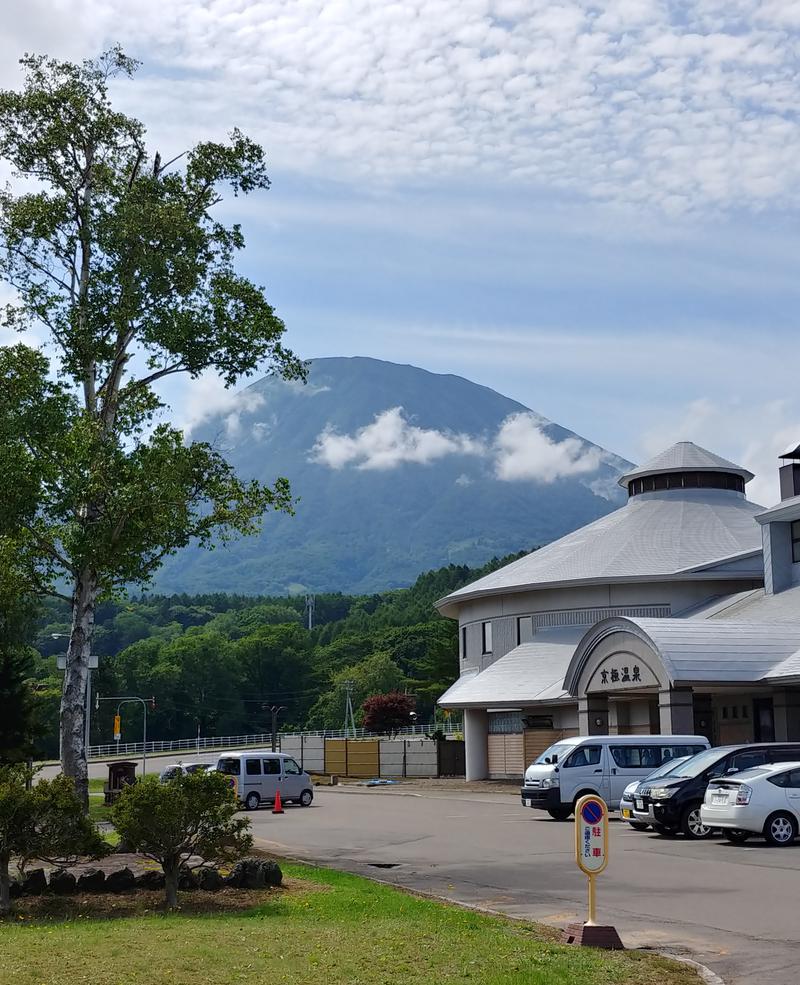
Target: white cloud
point(390, 440)
point(524, 451)
point(207, 398)
point(680, 107)
point(520, 451)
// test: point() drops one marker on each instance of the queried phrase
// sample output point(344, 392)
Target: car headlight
point(627, 793)
point(552, 782)
point(662, 793)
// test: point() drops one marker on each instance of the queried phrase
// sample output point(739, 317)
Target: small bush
point(182, 824)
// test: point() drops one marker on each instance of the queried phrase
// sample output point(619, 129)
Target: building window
point(524, 629)
point(796, 542)
point(487, 637)
point(463, 642)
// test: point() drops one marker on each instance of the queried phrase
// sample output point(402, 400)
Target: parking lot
point(733, 908)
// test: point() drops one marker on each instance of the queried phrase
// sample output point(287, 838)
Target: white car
point(763, 801)
point(176, 769)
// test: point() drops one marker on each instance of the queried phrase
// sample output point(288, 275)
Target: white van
point(598, 764)
point(259, 774)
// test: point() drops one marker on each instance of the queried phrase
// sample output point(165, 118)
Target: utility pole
point(311, 604)
point(274, 710)
point(349, 719)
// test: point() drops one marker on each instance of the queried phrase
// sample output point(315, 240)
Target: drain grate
point(383, 865)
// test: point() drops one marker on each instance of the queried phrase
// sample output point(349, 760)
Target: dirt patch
point(139, 903)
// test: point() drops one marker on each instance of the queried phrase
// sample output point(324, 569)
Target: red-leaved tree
point(388, 712)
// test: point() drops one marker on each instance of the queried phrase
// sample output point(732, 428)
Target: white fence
point(213, 742)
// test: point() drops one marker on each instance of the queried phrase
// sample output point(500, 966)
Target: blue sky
point(591, 208)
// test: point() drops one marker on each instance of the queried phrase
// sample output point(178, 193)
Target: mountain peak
point(397, 470)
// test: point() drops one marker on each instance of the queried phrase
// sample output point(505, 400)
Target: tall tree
point(18, 721)
point(117, 254)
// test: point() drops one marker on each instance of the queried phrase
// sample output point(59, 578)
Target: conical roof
point(685, 456)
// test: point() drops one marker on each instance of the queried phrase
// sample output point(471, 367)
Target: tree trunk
point(171, 886)
point(73, 696)
point(5, 886)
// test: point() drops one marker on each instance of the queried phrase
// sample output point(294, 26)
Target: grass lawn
point(333, 928)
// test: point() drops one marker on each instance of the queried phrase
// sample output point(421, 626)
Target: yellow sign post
point(591, 855)
point(117, 728)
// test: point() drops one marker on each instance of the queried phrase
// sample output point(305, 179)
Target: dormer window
point(796, 542)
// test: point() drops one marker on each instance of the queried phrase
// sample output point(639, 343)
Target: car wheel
point(638, 825)
point(560, 813)
point(780, 829)
point(306, 797)
point(692, 825)
point(252, 801)
point(737, 837)
point(663, 829)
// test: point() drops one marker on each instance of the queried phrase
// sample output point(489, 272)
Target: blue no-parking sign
point(591, 834)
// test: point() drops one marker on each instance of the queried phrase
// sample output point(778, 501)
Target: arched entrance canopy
point(667, 653)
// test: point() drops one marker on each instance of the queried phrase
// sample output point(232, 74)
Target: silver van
point(598, 764)
point(258, 774)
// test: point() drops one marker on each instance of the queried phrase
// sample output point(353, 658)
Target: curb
point(708, 976)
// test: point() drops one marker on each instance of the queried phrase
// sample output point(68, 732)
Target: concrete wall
point(421, 758)
point(308, 750)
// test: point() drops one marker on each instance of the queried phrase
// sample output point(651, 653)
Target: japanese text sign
point(591, 834)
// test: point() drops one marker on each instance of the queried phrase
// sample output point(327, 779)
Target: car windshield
point(560, 749)
point(666, 768)
point(695, 765)
point(198, 767)
point(228, 766)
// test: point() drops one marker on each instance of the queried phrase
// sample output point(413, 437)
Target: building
point(677, 613)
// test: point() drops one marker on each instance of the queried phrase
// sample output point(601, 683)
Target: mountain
point(397, 470)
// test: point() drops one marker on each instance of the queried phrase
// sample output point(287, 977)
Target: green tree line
point(219, 662)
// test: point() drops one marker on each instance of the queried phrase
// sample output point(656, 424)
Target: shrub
point(183, 824)
point(45, 822)
point(388, 712)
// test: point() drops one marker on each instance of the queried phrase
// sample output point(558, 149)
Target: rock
point(273, 876)
point(62, 883)
point(91, 881)
point(255, 873)
point(209, 880)
point(152, 879)
point(120, 881)
point(187, 880)
point(35, 883)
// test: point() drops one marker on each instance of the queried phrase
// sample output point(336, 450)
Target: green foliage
point(18, 721)
point(182, 824)
point(43, 822)
point(221, 660)
point(119, 257)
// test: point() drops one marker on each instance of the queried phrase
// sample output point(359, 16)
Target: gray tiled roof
point(685, 456)
point(654, 535)
point(532, 672)
point(720, 650)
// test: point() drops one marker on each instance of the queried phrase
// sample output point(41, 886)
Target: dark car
point(673, 804)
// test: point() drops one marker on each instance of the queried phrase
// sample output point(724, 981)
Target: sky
point(591, 208)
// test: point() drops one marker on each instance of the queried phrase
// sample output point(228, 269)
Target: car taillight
point(743, 795)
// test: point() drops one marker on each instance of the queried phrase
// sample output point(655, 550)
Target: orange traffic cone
point(277, 807)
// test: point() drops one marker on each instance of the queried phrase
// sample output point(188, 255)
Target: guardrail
point(215, 742)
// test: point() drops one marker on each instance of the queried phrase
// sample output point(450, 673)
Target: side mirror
point(731, 771)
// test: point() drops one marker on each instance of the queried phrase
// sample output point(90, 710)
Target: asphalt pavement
point(733, 908)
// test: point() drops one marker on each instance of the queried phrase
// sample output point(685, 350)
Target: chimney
point(790, 472)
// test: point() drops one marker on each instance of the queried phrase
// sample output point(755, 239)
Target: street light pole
point(143, 701)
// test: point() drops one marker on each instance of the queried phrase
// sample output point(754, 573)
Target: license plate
point(626, 813)
point(719, 798)
point(639, 805)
